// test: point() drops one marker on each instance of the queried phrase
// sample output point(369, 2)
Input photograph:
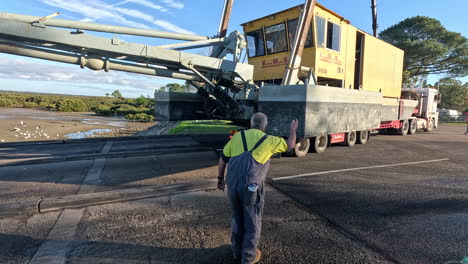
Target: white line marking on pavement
point(93, 176)
point(354, 169)
point(107, 147)
point(55, 248)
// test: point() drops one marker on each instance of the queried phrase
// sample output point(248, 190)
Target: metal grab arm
point(52, 39)
point(94, 62)
point(64, 23)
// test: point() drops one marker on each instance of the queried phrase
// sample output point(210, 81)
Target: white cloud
point(173, 4)
point(133, 13)
point(94, 10)
point(60, 76)
point(73, 75)
point(143, 3)
point(171, 27)
point(160, 23)
point(86, 19)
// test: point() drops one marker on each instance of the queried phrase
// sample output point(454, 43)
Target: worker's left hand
point(294, 124)
point(221, 184)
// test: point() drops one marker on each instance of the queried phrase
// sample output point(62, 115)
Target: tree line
point(432, 49)
point(138, 109)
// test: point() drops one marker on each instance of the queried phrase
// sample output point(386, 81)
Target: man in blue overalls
point(248, 154)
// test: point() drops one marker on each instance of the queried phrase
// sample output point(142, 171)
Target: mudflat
point(23, 124)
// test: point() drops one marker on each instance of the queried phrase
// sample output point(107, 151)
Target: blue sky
point(199, 17)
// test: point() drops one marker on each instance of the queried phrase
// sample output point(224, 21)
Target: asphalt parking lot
point(395, 200)
point(405, 197)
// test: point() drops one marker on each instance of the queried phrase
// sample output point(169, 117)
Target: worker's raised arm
point(292, 135)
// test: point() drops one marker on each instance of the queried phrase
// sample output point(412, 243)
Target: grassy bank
point(204, 127)
point(139, 109)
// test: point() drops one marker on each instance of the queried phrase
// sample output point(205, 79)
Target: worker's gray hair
point(259, 121)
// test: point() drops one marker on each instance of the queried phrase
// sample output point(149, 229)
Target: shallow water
point(111, 123)
point(88, 133)
point(46, 117)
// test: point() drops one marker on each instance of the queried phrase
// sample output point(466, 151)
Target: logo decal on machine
point(335, 138)
point(275, 62)
point(330, 58)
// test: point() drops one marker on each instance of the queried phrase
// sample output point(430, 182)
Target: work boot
point(258, 256)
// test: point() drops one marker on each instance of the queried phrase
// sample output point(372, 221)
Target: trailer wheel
point(403, 130)
point(351, 138)
point(302, 147)
point(320, 143)
point(430, 125)
point(413, 126)
point(362, 136)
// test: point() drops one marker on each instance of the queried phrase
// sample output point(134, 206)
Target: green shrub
point(72, 105)
point(140, 117)
point(101, 105)
point(125, 109)
point(143, 101)
point(51, 107)
point(30, 105)
point(150, 111)
point(38, 99)
point(6, 102)
point(104, 110)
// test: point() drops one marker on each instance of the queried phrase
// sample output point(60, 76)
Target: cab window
point(333, 36)
point(255, 43)
point(320, 29)
point(292, 27)
point(275, 37)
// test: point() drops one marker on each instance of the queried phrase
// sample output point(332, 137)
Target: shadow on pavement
point(95, 252)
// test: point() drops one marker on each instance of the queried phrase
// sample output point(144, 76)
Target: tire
point(362, 137)
point(320, 143)
point(430, 125)
point(403, 130)
point(413, 126)
point(351, 138)
point(302, 147)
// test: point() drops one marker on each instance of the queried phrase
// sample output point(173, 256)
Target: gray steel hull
point(326, 110)
point(177, 106)
point(319, 109)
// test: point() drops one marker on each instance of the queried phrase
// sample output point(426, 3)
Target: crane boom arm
point(52, 39)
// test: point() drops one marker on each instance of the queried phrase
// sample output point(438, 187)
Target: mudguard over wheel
point(320, 143)
point(362, 136)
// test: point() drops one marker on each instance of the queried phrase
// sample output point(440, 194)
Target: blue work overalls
point(247, 206)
